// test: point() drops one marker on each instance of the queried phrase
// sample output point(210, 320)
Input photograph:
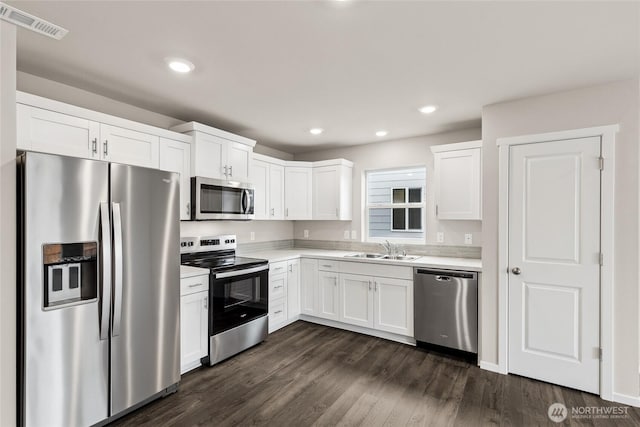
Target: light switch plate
point(346, 234)
point(252, 235)
point(468, 239)
point(306, 234)
point(354, 234)
point(440, 237)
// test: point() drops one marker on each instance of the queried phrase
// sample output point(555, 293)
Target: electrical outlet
point(252, 236)
point(468, 239)
point(354, 234)
point(440, 237)
point(346, 234)
point(306, 234)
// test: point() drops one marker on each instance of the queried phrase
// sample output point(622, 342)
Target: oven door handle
point(244, 272)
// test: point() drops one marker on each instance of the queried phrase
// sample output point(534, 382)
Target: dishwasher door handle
point(443, 278)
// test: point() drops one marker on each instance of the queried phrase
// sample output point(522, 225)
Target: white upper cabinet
point(175, 156)
point(332, 190)
point(129, 147)
point(267, 177)
point(53, 132)
point(54, 127)
point(298, 191)
point(218, 154)
point(458, 180)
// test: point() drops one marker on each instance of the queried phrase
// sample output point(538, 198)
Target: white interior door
point(554, 262)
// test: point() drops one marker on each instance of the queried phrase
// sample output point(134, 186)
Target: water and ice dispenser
point(70, 273)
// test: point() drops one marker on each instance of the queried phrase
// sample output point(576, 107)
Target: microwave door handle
point(117, 269)
point(105, 252)
point(245, 201)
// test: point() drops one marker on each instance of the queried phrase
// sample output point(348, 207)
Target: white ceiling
point(272, 70)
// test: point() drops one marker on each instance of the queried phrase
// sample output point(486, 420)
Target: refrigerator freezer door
point(145, 343)
point(65, 364)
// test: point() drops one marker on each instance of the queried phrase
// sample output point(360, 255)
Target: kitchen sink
point(382, 256)
point(365, 255)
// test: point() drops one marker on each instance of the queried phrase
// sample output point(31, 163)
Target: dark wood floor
point(307, 374)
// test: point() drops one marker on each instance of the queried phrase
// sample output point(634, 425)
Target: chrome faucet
point(389, 247)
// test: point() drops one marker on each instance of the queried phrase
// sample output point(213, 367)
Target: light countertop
point(188, 271)
point(276, 255)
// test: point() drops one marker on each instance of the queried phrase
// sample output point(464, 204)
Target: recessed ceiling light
point(428, 109)
point(316, 131)
point(381, 133)
point(180, 65)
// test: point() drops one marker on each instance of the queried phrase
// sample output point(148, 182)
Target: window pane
point(415, 218)
point(399, 220)
point(415, 195)
point(398, 195)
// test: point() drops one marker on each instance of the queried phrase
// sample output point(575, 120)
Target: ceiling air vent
point(33, 23)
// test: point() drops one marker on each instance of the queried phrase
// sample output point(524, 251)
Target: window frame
point(390, 205)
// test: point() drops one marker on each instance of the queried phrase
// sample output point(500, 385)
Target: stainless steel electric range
point(238, 294)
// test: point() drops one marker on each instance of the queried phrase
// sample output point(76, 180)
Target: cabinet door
point(326, 194)
point(129, 147)
point(276, 191)
point(208, 156)
point(293, 288)
point(298, 193)
point(193, 330)
point(238, 161)
point(175, 156)
point(277, 286)
point(260, 181)
point(50, 132)
point(308, 286)
point(356, 300)
point(458, 184)
point(393, 306)
point(277, 314)
point(329, 295)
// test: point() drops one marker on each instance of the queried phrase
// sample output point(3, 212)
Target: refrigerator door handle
point(105, 249)
point(117, 269)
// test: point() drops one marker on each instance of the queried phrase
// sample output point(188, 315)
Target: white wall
point(7, 224)
point(614, 103)
point(395, 153)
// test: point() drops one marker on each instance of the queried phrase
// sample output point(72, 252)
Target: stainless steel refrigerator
point(99, 272)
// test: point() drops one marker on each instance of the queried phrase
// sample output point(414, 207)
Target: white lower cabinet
point(328, 295)
point(372, 296)
point(194, 333)
point(284, 293)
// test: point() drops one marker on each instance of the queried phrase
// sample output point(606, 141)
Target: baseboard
point(487, 366)
point(626, 399)
point(359, 329)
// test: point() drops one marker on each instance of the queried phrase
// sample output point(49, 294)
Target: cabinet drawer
point(277, 284)
point(190, 285)
point(277, 311)
point(378, 270)
point(278, 268)
point(328, 265)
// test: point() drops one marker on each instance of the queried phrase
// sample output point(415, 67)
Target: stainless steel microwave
point(217, 199)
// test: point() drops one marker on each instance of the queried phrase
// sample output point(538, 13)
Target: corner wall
point(613, 103)
point(7, 224)
point(383, 155)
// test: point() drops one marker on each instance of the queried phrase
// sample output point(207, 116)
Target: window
point(396, 204)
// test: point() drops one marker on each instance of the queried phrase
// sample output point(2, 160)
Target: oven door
point(238, 297)
point(219, 199)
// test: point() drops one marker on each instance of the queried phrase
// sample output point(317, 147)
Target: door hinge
point(601, 162)
point(601, 259)
point(600, 353)
point(436, 210)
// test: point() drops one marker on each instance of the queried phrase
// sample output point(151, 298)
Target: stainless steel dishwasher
point(446, 308)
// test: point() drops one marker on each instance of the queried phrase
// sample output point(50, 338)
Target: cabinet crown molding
point(456, 146)
point(199, 127)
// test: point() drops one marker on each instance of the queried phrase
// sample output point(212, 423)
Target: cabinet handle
point(225, 170)
point(278, 312)
point(326, 266)
point(436, 210)
point(335, 281)
point(291, 268)
point(195, 285)
point(278, 268)
point(106, 148)
point(369, 284)
point(205, 303)
point(337, 213)
point(230, 170)
point(375, 286)
point(188, 210)
point(279, 286)
point(273, 211)
point(286, 211)
point(94, 146)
